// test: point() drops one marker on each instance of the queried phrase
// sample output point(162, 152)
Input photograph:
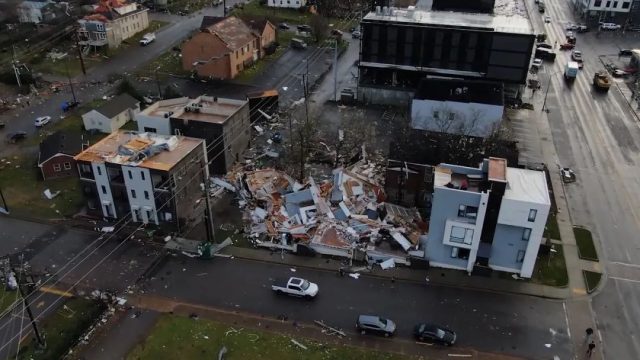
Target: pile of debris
point(346, 216)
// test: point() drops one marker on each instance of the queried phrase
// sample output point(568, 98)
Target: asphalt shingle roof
point(117, 105)
point(60, 142)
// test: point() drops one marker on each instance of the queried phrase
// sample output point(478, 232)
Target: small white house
point(294, 4)
point(472, 108)
point(112, 115)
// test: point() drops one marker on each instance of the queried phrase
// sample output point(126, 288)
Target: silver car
point(375, 325)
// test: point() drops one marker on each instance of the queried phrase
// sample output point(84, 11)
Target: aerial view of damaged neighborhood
point(320, 179)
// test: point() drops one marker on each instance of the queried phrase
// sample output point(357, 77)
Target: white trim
point(57, 154)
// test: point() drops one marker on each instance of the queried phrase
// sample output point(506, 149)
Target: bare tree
point(319, 26)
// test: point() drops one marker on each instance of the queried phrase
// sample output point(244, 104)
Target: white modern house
point(294, 4)
point(492, 216)
point(461, 107)
point(155, 117)
point(140, 174)
point(112, 115)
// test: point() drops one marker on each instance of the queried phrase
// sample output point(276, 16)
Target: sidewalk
point(578, 305)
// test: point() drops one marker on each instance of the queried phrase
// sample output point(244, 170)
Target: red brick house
point(55, 158)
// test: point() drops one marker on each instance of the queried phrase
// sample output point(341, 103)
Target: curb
point(377, 276)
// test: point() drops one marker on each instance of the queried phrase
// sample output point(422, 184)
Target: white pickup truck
point(295, 287)
point(147, 39)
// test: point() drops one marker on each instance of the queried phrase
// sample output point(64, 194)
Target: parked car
point(284, 26)
point(42, 120)
point(298, 44)
point(567, 46)
point(147, 39)
point(547, 19)
point(572, 27)
point(336, 33)
point(576, 55)
point(619, 73)
point(545, 54)
point(536, 64)
point(304, 28)
point(16, 136)
point(609, 26)
point(356, 34)
point(568, 176)
point(544, 45)
point(625, 52)
point(583, 28)
point(570, 34)
point(434, 333)
point(295, 287)
point(373, 324)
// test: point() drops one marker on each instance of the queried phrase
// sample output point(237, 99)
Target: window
point(104, 189)
point(435, 114)
point(130, 175)
point(133, 193)
point(532, 215)
point(625, 5)
point(56, 167)
point(526, 233)
point(615, 4)
point(461, 235)
point(452, 116)
point(470, 212)
point(67, 166)
point(597, 3)
point(146, 195)
point(520, 256)
point(142, 175)
point(151, 130)
point(99, 170)
point(608, 4)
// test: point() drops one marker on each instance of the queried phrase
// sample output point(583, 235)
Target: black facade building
point(401, 47)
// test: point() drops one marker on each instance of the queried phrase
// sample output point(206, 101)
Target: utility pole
point(335, 71)
point(4, 208)
point(158, 82)
point(39, 338)
point(14, 64)
point(73, 93)
point(207, 211)
point(75, 36)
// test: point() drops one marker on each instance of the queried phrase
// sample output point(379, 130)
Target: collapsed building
point(347, 216)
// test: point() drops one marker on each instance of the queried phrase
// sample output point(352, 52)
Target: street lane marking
point(626, 264)
point(566, 318)
point(623, 279)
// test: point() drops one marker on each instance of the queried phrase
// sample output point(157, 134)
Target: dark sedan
point(435, 333)
point(625, 52)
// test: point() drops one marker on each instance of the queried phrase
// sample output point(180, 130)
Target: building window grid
point(57, 168)
point(133, 193)
point(461, 235)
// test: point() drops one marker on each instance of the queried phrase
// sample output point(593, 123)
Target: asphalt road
point(491, 322)
point(125, 63)
point(599, 137)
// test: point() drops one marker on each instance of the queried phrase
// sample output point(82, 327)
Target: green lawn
point(274, 15)
point(7, 298)
point(63, 329)
point(551, 269)
point(23, 190)
point(176, 337)
point(591, 280)
point(552, 230)
point(586, 247)
point(168, 63)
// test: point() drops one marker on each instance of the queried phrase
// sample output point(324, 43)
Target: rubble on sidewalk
point(345, 216)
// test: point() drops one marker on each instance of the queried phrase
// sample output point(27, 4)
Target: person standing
point(587, 338)
point(592, 345)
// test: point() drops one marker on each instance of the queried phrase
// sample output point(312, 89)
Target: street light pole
point(544, 103)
